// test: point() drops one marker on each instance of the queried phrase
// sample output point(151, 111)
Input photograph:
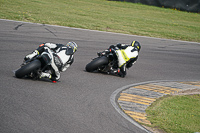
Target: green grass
point(176, 114)
point(103, 15)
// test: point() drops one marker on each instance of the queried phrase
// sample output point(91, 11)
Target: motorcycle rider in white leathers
point(62, 58)
point(127, 54)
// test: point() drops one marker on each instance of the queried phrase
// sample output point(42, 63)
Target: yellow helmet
point(136, 44)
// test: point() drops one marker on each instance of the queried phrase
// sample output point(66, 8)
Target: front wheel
point(96, 63)
point(27, 69)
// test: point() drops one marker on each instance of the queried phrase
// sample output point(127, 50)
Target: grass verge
point(103, 15)
point(176, 114)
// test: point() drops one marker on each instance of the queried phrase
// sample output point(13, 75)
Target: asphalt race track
point(80, 102)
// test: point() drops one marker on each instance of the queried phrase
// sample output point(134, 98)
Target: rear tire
point(96, 63)
point(27, 69)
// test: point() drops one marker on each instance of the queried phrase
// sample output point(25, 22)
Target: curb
point(131, 101)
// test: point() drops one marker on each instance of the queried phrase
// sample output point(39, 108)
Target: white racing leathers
point(62, 57)
point(124, 55)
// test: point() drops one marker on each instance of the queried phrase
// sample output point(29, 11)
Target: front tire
point(96, 63)
point(27, 69)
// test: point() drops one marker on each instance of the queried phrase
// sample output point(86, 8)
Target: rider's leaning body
point(62, 58)
point(127, 54)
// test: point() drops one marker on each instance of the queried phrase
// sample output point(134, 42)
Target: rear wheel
point(27, 69)
point(96, 63)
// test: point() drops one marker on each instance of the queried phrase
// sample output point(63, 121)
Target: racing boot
point(117, 72)
point(45, 75)
point(114, 71)
point(30, 56)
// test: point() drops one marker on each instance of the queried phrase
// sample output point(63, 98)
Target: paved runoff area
point(134, 100)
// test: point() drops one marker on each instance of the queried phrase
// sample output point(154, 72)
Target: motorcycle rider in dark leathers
point(127, 54)
point(62, 58)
